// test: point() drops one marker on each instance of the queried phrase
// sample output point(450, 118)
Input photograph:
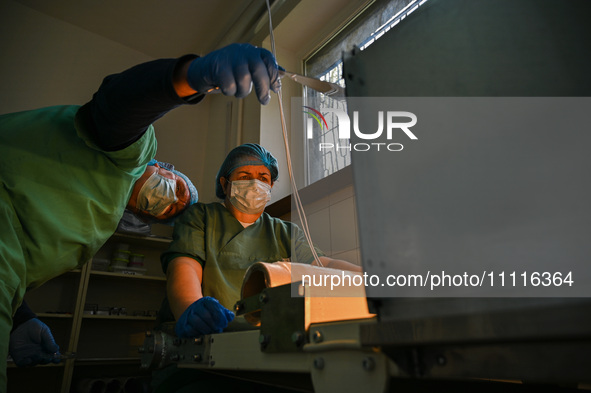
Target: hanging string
point(295, 194)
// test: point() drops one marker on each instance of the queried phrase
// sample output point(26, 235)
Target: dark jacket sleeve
point(127, 103)
point(22, 315)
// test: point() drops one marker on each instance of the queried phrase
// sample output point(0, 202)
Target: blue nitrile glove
point(233, 69)
point(32, 343)
point(204, 316)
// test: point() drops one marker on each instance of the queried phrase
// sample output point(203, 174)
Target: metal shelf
point(55, 315)
point(104, 287)
point(106, 361)
point(134, 276)
point(120, 317)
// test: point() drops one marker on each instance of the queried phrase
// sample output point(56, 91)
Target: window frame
point(369, 15)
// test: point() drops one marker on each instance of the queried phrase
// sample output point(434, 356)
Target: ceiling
point(163, 27)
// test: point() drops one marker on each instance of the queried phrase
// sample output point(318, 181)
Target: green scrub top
point(211, 235)
point(61, 196)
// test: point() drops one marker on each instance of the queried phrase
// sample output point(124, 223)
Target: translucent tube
point(295, 194)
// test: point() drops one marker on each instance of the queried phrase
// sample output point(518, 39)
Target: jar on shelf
point(122, 254)
point(118, 263)
point(136, 260)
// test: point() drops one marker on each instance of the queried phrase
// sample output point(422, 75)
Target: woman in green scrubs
point(213, 244)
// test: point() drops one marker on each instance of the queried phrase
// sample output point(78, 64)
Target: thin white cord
point(295, 194)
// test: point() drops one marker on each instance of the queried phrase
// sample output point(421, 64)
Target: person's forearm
point(339, 264)
point(183, 284)
point(127, 103)
point(179, 80)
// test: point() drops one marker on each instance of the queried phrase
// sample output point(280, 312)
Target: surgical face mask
point(157, 193)
point(250, 196)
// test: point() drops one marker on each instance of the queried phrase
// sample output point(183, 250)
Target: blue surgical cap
point(170, 167)
point(247, 154)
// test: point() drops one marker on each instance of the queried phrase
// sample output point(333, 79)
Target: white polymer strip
point(296, 196)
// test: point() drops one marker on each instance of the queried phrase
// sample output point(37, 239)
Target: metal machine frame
point(541, 346)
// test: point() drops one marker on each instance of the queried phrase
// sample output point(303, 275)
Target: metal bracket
point(282, 317)
point(161, 349)
point(350, 371)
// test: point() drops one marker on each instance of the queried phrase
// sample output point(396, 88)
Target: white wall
point(332, 221)
point(46, 61)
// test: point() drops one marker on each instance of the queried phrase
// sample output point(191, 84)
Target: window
point(326, 64)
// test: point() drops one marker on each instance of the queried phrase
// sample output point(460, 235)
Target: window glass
point(326, 64)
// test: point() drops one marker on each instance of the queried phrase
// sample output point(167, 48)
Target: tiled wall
point(332, 221)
